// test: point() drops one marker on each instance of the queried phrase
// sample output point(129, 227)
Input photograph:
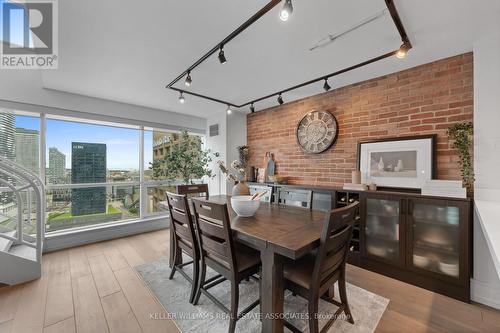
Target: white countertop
point(488, 213)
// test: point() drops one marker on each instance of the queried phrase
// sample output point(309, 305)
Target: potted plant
point(186, 161)
point(235, 173)
point(462, 135)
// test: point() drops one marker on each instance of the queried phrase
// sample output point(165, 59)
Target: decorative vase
point(240, 189)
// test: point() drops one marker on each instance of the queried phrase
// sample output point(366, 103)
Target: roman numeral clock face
point(317, 131)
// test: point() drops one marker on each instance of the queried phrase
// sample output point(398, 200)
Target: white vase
point(381, 164)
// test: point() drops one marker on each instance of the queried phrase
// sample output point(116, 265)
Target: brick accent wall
point(422, 100)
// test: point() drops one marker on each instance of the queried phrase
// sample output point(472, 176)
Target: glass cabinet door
point(381, 232)
point(435, 237)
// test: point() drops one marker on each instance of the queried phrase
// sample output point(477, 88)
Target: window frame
point(142, 183)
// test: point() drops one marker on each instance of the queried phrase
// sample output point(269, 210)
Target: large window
point(96, 173)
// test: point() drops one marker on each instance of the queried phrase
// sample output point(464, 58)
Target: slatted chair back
point(215, 236)
point(262, 188)
point(182, 223)
point(193, 190)
point(295, 197)
point(334, 246)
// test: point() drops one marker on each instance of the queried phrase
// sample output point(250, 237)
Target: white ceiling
point(127, 51)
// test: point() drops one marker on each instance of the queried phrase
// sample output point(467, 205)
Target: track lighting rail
point(400, 53)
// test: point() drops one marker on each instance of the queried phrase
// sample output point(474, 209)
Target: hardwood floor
point(94, 288)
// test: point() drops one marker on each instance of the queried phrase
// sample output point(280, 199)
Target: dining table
point(279, 233)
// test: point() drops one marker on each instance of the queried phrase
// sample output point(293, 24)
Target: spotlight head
point(228, 110)
point(326, 86)
point(181, 98)
point(188, 80)
point(403, 50)
point(280, 99)
point(252, 108)
point(222, 57)
point(286, 11)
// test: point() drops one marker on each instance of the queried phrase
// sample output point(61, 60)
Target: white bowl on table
point(244, 206)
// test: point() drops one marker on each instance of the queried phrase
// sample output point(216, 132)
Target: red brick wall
point(423, 100)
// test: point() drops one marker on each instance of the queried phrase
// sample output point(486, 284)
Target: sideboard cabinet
point(422, 240)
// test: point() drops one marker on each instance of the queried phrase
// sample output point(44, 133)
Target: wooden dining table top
point(287, 230)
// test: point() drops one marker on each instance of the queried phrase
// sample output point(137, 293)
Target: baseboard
point(485, 293)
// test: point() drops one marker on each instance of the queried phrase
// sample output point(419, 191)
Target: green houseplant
point(462, 134)
point(186, 161)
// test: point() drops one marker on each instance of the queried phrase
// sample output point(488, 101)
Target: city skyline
point(122, 143)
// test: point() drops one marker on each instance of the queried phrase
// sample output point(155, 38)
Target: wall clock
point(317, 131)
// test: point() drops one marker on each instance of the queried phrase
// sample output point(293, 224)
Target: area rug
point(367, 308)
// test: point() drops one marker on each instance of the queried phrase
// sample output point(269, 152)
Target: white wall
point(486, 282)
point(23, 89)
point(232, 133)
point(236, 136)
point(217, 144)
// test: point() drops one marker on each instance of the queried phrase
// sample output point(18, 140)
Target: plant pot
point(240, 189)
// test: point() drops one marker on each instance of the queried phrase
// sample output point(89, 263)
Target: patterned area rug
point(366, 307)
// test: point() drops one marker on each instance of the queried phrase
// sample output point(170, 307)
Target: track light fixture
point(286, 11)
point(280, 99)
point(222, 58)
point(252, 108)
point(326, 86)
point(228, 110)
point(188, 80)
point(181, 98)
point(403, 50)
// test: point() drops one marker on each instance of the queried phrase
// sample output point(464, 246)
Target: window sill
point(59, 240)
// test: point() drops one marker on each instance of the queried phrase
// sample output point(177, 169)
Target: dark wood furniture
point(294, 197)
point(262, 188)
point(314, 275)
point(184, 239)
point(233, 261)
point(278, 232)
point(196, 189)
point(193, 190)
point(428, 239)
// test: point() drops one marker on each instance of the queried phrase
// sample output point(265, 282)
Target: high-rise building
point(56, 174)
point(88, 165)
point(26, 142)
point(57, 166)
point(8, 150)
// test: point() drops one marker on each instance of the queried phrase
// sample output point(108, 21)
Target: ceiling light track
point(399, 53)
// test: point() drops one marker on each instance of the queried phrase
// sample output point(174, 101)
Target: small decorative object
point(317, 131)
point(398, 162)
point(356, 177)
point(261, 175)
point(244, 206)
point(271, 166)
point(244, 153)
point(372, 187)
point(399, 167)
point(237, 175)
point(461, 134)
point(277, 179)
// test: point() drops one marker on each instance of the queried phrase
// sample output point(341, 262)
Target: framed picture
point(406, 162)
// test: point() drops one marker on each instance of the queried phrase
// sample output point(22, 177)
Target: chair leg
point(196, 277)
point(201, 282)
point(235, 296)
point(343, 297)
point(174, 263)
point(313, 315)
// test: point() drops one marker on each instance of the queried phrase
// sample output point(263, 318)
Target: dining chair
point(231, 260)
point(294, 197)
point(193, 189)
point(184, 239)
point(262, 188)
point(312, 276)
